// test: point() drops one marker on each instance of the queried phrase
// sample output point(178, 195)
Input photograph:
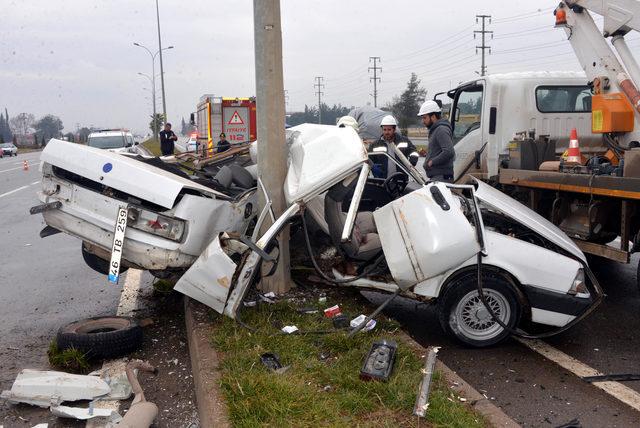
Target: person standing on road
point(223, 145)
point(439, 161)
point(383, 167)
point(167, 140)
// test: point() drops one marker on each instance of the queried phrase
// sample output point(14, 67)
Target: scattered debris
point(422, 401)
point(332, 311)
point(269, 295)
point(142, 413)
point(249, 303)
point(272, 362)
point(289, 329)
point(340, 321)
point(379, 362)
point(322, 299)
point(101, 337)
point(357, 321)
point(47, 388)
point(574, 423)
point(624, 377)
point(309, 310)
point(80, 413)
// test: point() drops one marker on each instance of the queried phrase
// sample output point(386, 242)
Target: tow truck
point(596, 199)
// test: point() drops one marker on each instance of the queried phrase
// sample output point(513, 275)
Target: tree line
point(22, 125)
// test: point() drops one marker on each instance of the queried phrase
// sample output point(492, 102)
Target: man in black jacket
point(440, 156)
point(382, 166)
point(223, 145)
point(167, 140)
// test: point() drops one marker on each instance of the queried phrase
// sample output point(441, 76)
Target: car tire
point(463, 315)
point(98, 264)
point(101, 337)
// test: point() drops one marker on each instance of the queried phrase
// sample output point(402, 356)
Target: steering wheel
point(395, 184)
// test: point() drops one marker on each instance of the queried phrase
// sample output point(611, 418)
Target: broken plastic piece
point(80, 413)
point(271, 361)
point(379, 362)
point(50, 388)
point(332, 311)
point(340, 321)
point(309, 310)
point(289, 329)
point(355, 323)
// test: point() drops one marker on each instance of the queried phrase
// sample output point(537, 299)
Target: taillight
point(157, 224)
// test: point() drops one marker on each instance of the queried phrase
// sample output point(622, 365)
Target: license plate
point(118, 244)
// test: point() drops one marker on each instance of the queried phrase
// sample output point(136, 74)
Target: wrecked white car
point(421, 240)
point(171, 216)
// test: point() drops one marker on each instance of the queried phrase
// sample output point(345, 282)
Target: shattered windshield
point(106, 142)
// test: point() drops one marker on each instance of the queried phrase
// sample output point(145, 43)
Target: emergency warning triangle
point(236, 119)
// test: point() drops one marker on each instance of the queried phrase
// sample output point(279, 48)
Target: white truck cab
point(114, 140)
point(487, 112)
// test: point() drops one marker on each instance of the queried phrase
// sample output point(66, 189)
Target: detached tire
point(101, 337)
point(463, 315)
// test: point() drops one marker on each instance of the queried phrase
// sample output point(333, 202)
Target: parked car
point(8, 149)
point(115, 140)
point(426, 240)
point(170, 216)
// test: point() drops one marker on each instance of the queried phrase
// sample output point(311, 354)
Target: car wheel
point(101, 337)
point(463, 315)
point(98, 264)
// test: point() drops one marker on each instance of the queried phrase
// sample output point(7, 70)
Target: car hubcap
point(474, 320)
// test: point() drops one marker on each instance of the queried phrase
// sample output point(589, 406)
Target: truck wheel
point(463, 315)
point(98, 264)
point(101, 337)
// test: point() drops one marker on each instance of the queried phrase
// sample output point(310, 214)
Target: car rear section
point(170, 218)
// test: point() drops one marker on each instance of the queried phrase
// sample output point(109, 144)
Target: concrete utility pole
point(483, 47)
point(164, 103)
point(375, 79)
point(319, 92)
point(272, 153)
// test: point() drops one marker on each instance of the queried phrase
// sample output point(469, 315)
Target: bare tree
point(22, 123)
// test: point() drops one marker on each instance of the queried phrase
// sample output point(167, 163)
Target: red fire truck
point(236, 117)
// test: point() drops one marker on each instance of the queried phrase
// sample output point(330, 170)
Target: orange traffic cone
point(25, 165)
point(573, 154)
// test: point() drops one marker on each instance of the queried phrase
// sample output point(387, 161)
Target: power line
point(319, 92)
point(483, 47)
point(375, 79)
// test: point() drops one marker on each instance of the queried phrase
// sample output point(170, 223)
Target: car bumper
point(556, 309)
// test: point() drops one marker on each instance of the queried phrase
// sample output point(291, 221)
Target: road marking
point(13, 191)
point(35, 182)
point(127, 306)
point(617, 390)
point(10, 169)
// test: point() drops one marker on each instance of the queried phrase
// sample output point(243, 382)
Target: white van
point(115, 140)
point(487, 112)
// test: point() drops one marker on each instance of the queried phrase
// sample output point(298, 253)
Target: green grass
point(298, 397)
point(153, 145)
point(69, 360)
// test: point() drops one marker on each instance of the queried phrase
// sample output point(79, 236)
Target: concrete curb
point(212, 409)
point(492, 413)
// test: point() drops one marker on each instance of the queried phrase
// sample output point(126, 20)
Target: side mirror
point(192, 119)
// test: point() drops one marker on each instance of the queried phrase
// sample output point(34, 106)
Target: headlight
point(579, 287)
point(157, 224)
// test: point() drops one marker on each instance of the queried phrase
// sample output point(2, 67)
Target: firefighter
point(382, 166)
point(223, 145)
point(439, 161)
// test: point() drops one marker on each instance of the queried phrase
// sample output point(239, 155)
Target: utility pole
point(319, 85)
point(164, 103)
point(375, 79)
point(483, 47)
point(272, 152)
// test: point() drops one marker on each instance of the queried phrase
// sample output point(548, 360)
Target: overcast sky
point(76, 58)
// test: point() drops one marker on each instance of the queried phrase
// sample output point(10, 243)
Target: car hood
point(121, 172)
point(527, 217)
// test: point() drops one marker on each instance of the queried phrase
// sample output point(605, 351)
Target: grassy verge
point(153, 145)
point(69, 360)
point(322, 386)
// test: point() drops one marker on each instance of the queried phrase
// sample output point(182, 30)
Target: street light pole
point(164, 104)
point(153, 95)
point(153, 73)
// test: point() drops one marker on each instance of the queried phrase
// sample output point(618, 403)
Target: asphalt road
point(533, 390)
point(44, 283)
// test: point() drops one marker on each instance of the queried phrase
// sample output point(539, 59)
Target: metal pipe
point(355, 202)
point(629, 89)
point(628, 60)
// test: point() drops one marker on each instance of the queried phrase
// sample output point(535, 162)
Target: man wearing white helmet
point(440, 156)
point(382, 168)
